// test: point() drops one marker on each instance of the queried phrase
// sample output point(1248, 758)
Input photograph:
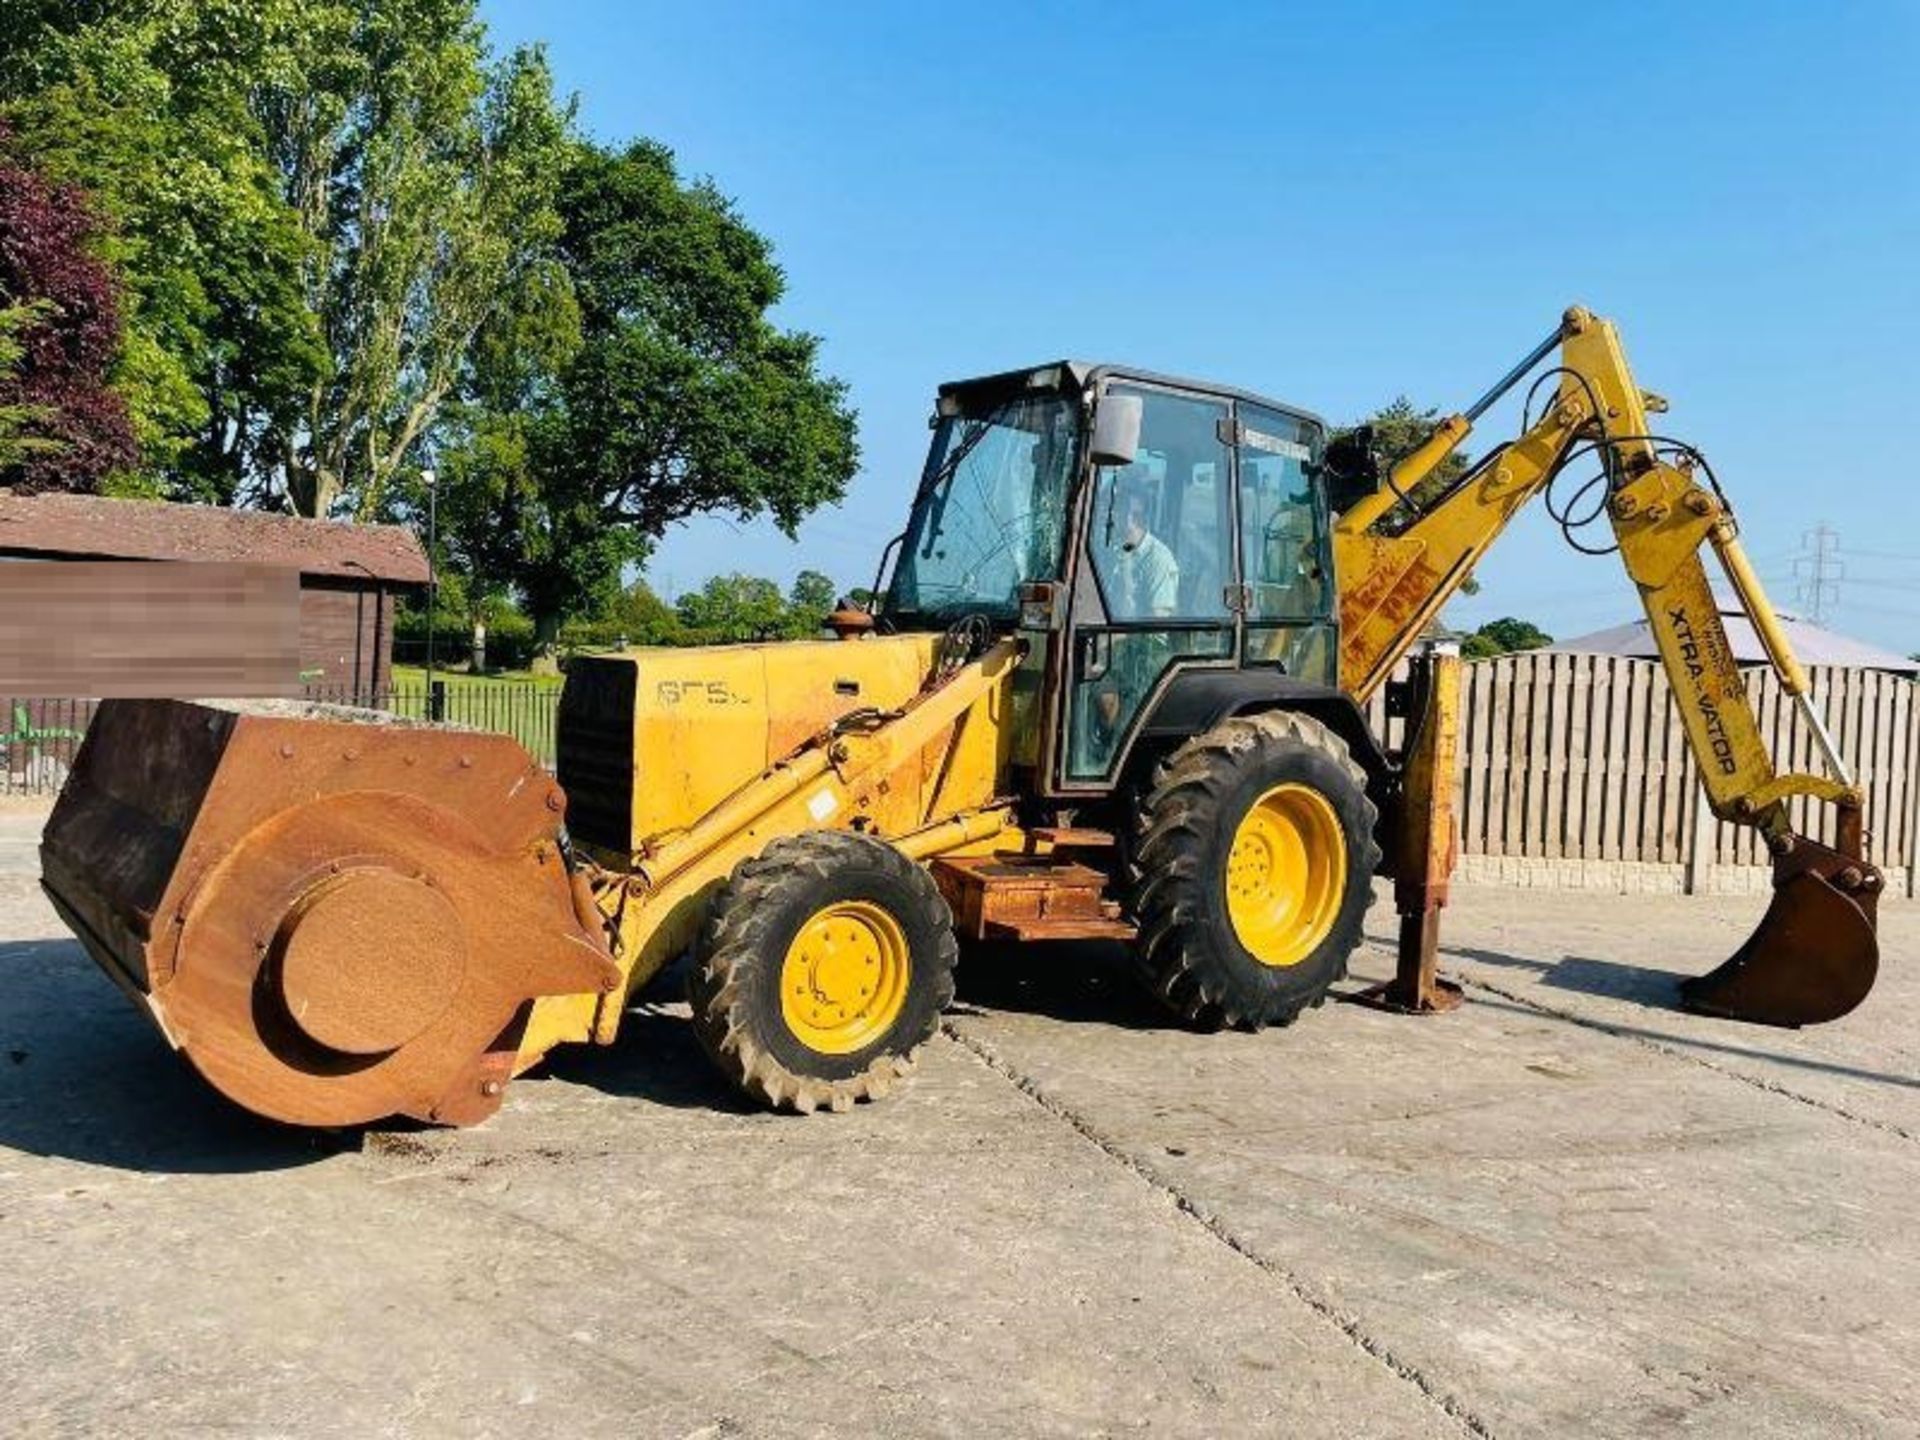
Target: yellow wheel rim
point(1286, 874)
point(844, 981)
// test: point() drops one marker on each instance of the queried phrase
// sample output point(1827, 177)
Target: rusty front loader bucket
point(334, 916)
point(1817, 950)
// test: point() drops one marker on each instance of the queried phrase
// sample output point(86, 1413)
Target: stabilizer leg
point(1425, 849)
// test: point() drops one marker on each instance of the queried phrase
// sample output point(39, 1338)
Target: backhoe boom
point(1400, 560)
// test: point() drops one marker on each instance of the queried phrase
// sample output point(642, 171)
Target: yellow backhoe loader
point(1111, 689)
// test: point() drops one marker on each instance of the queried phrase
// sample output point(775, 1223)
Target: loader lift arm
point(1815, 954)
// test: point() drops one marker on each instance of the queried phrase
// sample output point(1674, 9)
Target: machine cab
point(1151, 526)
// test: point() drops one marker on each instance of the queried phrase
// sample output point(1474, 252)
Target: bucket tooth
point(1816, 952)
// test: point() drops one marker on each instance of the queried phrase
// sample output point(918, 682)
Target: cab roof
point(1090, 374)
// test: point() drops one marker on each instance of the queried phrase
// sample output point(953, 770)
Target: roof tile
point(93, 527)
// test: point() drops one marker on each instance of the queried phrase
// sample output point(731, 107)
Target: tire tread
point(737, 937)
point(1179, 818)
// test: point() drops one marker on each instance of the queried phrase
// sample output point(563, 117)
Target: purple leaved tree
point(73, 422)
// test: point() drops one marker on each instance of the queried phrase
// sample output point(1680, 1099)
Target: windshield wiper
point(967, 442)
point(946, 471)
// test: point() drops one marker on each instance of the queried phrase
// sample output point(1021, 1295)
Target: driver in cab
point(1142, 575)
point(1142, 582)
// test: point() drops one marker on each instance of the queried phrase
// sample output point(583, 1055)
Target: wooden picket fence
point(1567, 757)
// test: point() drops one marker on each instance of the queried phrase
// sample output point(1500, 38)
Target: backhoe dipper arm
point(1395, 578)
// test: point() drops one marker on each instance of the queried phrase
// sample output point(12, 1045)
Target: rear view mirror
point(1349, 467)
point(1116, 429)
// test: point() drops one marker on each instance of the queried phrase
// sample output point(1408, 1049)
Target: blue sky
point(1333, 204)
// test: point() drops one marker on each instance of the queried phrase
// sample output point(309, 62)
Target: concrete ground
point(1564, 1209)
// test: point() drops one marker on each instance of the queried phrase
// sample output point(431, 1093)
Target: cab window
point(1160, 525)
point(1159, 546)
point(1282, 533)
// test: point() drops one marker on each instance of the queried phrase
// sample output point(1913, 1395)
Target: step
point(1020, 891)
point(1071, 837)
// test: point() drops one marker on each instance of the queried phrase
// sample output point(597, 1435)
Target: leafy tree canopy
point(356, 246)
point(1502, 637)
point(674, 395)
point(319, 204)
point(644, 618)
point(149, 109)
point(427, 192)
point(16, 443)
point(813, 595)
point(736, 607)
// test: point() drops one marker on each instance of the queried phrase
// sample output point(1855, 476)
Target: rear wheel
point(825, 964)
point(1253, 871)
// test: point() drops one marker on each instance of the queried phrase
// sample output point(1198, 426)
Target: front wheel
point(1253, 871)
point(824, 966)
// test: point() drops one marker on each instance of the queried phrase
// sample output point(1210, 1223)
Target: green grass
point(520, 705)
point(410, 676)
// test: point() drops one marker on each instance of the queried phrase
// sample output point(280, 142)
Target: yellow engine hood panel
point(705, 721)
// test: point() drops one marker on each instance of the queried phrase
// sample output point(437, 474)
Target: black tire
point(1188, 951)
point(734, 984)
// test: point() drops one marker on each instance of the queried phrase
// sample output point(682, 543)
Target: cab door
point(1155, 582)
point(1285, 546)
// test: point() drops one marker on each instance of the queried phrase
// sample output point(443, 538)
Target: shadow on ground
point(656, 1058)
point(1081, 982)
point(659, 1059)
point(1656, 990)
point(1584, 975)
point(84, 1077)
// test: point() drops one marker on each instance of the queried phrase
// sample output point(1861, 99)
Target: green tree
point(16, 443)
point(147, 108)
point(357, 247)
point(1399, 427)
point(645, 619)
point(423, 179)
point(483, 439)
point(810, 601)
point(735, 607)
point(320, 203)
point(678, 398)
point(1502, 637)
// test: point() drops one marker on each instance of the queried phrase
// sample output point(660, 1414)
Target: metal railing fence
point(39, 738)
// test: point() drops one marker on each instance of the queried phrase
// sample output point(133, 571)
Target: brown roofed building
point(350, 575)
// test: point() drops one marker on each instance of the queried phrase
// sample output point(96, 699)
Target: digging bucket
point(1816, 952)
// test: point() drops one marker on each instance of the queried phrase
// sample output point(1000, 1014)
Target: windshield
point(991, 512)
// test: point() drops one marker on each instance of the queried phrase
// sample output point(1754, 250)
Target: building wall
point(346, 635)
